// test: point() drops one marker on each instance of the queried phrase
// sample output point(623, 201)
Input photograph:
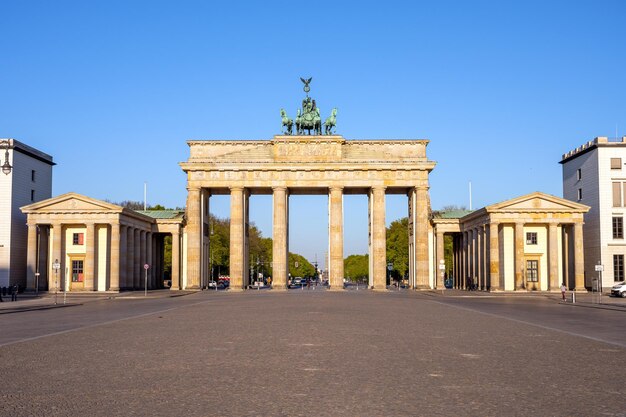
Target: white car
point(619, 290)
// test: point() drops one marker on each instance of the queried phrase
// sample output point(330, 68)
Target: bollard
point(573, 297)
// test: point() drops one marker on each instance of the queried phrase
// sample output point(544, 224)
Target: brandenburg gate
point(306, 164)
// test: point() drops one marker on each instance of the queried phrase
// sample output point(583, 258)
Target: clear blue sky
point(112, 89)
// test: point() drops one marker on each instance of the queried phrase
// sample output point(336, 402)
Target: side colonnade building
point(529, 243)
point(77, 243)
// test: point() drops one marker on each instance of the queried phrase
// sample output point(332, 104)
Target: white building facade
point(594, 174)
point(29, 181)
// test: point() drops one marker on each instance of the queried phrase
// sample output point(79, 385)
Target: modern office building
point(594, 174)
point(26, 178)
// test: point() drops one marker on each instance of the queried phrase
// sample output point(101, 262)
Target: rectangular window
point(617, 194)
point(78, 238)
point(579, 174)
point(616, 163)
point(580, 194)
point(77, 270)
point(618, 267)
point(32, 195)
point(532, 270)
point(618, 228)
point(32, 175)
point(531, 238)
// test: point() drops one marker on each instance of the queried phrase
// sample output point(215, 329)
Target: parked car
point(619, 290)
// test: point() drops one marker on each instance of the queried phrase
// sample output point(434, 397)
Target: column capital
point(336, 188)
point(422, 187)
point(279, 188)
point(236, 188)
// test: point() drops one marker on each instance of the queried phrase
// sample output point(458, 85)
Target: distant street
point(308, 352)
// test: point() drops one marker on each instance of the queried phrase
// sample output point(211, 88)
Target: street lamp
point(6, 167)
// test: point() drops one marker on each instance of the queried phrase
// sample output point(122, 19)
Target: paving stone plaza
point(312, 352)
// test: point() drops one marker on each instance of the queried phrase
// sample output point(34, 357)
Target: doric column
point(519, 256)
point(115, 258)
point(494, 258)
point(122, 255)
point(440, 260)
point(194, 238)
point(130, 257)
point(90, 257)
point(149, 259)
point(379, 244)
point(176, 260)
point(479, 258)
point(553, 258)
point(471, 255)
point(137, 260)
point(31, 257)
point(335, 238)
point(280, 265)
point(455, 260)
point(237, 244)
point(579, 257)
point(142, 259)
point(422, 222)
point(464, 261)
point(56, 278)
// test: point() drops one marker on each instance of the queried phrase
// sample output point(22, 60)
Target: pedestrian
point(269, 281)
point(563, 290)
point(14, 293)
point(1, 300)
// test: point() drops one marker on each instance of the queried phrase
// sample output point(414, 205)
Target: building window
point(579, 174)
point(580, 194)
point(78, 238)
point(617, 194)
point(616, 163)
point(532, 270)
point(618, 228)
point(618, 267)
point(77, 270)
point(531, 238)
point(32, 195)
point(32, 175)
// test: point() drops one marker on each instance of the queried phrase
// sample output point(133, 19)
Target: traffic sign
point(599, 268)
point(390, 266)
point(56, 266)
point(146, 266)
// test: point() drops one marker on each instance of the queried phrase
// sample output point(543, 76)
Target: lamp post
point(56, 266)
point(6, 167)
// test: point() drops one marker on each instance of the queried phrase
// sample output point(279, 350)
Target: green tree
point(304, 268)
point(356, 267)
point(398, 246)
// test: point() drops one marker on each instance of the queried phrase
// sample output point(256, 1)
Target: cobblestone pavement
point(312, 353)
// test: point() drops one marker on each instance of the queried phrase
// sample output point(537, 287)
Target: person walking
point(563, 290)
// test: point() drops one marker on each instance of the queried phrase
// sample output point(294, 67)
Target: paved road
point(312, 353)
